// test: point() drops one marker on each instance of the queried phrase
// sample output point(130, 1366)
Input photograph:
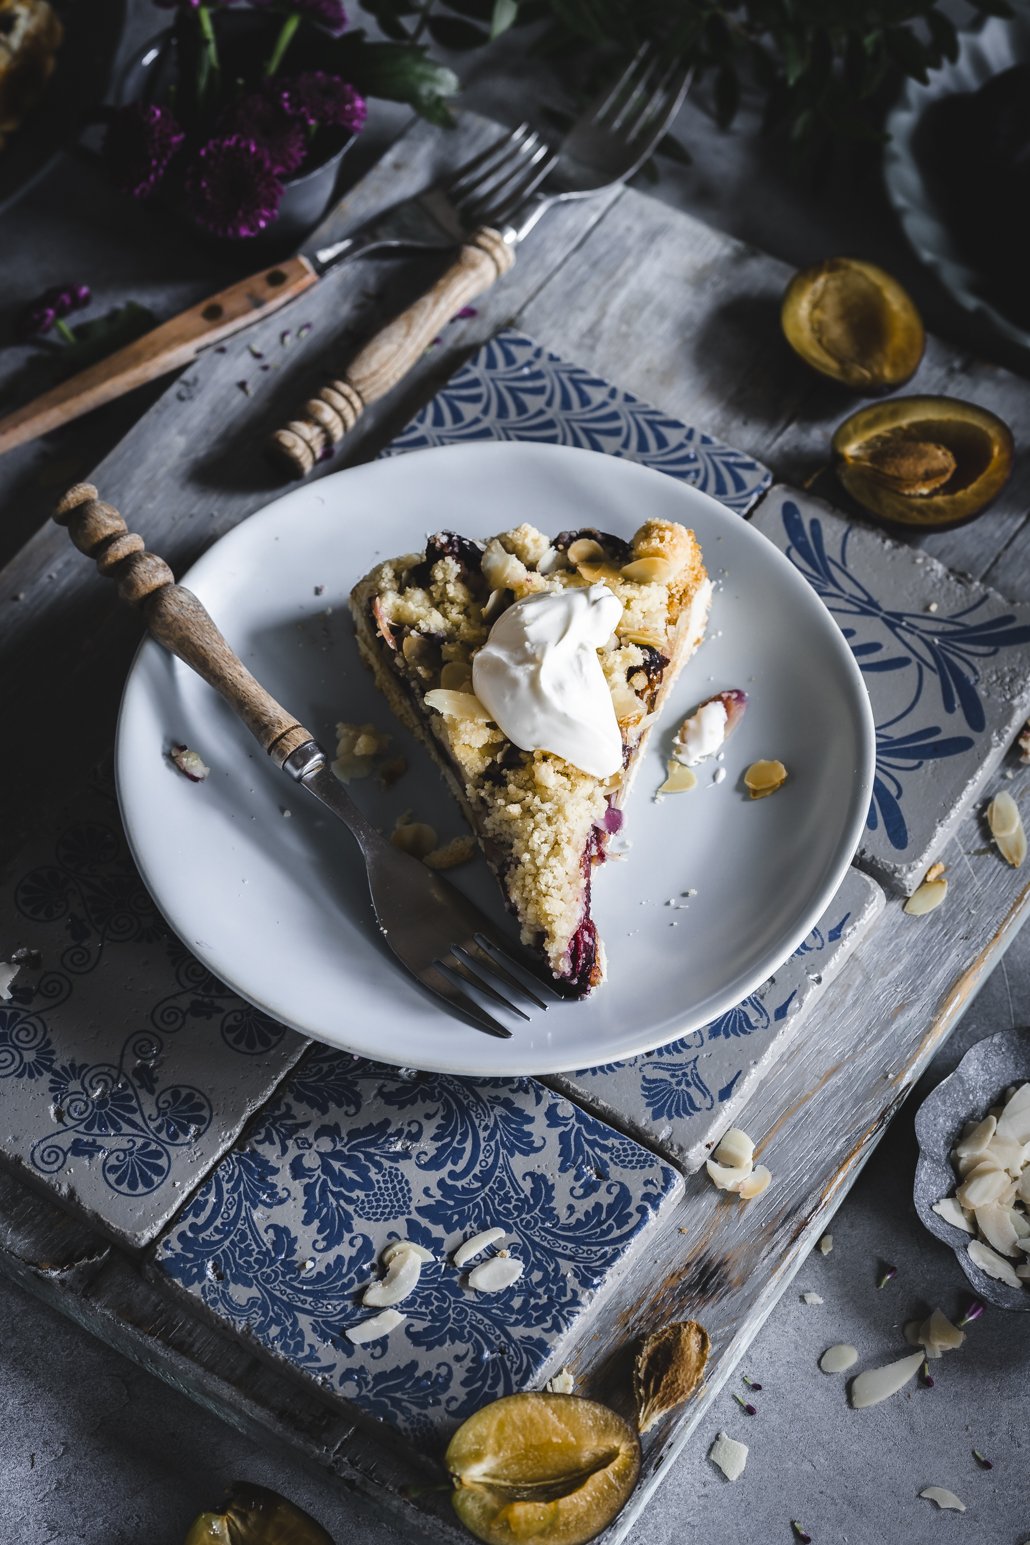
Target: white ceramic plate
point(277, 907)
point(983, 52)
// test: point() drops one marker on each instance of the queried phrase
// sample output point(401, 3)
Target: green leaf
point(506, 14)
point(102, 335)
point(401, 72)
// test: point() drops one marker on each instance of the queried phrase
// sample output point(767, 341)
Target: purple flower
point(141, 140)
point(47, 309)
point(233, 188)
point(318, 98)
point(324, 13)
point(261, 116)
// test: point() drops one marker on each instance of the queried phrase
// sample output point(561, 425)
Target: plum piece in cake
point(542, 821)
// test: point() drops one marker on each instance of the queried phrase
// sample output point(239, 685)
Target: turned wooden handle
point(389, 356)
point(165, 348)
point(175, 617)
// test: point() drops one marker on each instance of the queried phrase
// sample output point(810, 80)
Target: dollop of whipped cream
point(539, 677)
point(702, 734)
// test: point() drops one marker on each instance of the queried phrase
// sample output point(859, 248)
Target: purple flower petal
point(140, 142)
point(318, 98)
point(260, 116)
point(233, 188)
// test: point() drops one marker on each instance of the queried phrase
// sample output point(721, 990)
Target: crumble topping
point(540, 819)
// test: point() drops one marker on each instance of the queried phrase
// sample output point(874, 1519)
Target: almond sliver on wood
point(945, 1499)
point(1006, 826)
point(729, 1455)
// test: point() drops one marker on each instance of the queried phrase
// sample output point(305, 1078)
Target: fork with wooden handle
point(436, 934)
point(606, 145)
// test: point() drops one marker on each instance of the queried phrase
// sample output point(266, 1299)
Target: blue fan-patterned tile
point(513, 389)
point(283, 1238)
point(946, 661)
point(682, 1097)
point(126, 1069)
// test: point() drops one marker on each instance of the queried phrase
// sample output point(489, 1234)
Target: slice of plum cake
point(545, 793)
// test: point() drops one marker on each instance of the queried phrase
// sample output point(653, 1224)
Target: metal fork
point(436, 934)
point(505, 193)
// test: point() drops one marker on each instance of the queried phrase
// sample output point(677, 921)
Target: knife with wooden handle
point(418, 224)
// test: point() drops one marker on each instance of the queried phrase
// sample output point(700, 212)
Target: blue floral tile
point(282, 1239)
point(682, 1097)
point(946, 662)
point(126, 1069)
point(513, 389)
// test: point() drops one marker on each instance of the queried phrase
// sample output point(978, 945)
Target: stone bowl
point(965, 1095)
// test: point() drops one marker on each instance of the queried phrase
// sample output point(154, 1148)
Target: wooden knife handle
point(388, 357)
point(164, 348)
point(175, 617)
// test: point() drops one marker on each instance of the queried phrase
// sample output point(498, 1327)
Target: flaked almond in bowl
point(972, 1189)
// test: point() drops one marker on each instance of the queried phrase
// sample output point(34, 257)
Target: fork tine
point(608, 98)
point(521, 961)
point(477, 955)
point(662, 105)
point(466, 969)
point(461, 1001)
point(487, 190)
point(495, 155)
point(492, 205)
point(635, 99)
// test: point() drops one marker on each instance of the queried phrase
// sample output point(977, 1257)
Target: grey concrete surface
point(93, 1450)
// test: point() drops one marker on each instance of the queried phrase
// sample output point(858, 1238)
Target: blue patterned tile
point(284, 1236)
point(513, 389)
point(946, 662)
point(682, 1097)
point(126, 1069)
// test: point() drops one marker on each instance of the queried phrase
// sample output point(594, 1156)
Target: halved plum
point(930, 462)
point(853, 322)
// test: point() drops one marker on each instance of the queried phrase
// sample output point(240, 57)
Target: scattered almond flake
point(562, 1383)
point(839, 1358)
point(458, 851)
point(726, 1177)
point(476, 1245)
point(944, 1499)
point(402, 1274)
point(680, 779)
point(494, 1275)
point(190, 763)
point(877, 1384)
point(935, 871)
point(825, 1244)
point(1006, 826)
point(992, 1263)
point(937, 1334)
point(357, 747)
point(926, 898)
point(755, 1184)
point(729, 1456)
point(668, 1369)
point(8, 971)
point(413, 837)
point(932, 606)
point(811, 1298)
point(764, 777)
point(371, 1330)
point(457, 705)
point(399, 1246)
point(735, 1149)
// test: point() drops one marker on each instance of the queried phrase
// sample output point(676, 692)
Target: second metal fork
point(505, 193)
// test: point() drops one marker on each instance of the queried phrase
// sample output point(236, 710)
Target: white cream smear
point(539, 677)
point(702, 734)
